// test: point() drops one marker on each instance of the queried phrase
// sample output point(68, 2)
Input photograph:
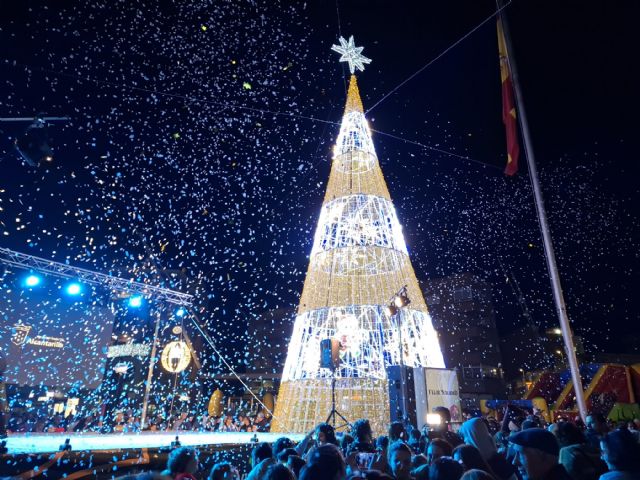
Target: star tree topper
point(352, 54)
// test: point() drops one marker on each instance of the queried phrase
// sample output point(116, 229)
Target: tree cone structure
point(358, 262)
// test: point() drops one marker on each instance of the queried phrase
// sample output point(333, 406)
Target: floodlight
point(73, 288)
point(401, 300)
point(32, 280)
point(181, 312)
point(135, 301)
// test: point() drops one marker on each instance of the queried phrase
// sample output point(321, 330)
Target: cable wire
point(250, 110)
point(438, 57)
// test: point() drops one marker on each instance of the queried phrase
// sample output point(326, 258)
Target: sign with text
point(437, 387)
point(49, 340)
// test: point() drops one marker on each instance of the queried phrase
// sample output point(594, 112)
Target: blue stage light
point(73, 288)
point(181, 312)
point(32, 281)
point(135, 301)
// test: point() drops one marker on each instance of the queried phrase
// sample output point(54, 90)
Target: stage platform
point(50, 442)
point(102, 457)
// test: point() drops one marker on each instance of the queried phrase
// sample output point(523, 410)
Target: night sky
point(201, 135)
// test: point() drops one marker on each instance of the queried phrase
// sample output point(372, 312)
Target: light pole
point(152, 362)
point(397, 302)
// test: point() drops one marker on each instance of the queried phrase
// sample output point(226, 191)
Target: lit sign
point(128, 350)
point(175, 357)
point(21, 337)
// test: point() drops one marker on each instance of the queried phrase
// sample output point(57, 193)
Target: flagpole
point(558, 296)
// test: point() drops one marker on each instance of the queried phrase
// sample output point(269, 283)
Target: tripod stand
point(331, 419)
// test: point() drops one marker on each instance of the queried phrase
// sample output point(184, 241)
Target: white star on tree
point(352, 54)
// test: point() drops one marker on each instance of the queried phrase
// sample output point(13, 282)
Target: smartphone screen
point(364, 459)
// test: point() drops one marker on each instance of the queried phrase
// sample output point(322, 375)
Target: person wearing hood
point(475, 432)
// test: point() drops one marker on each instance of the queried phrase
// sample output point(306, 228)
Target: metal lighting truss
point(358, 261)
point(49, 267)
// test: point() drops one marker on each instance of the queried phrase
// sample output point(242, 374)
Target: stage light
point(32, 281)
point(181, 312)
point(73, 289)
point(135, 301)
point(401, 300)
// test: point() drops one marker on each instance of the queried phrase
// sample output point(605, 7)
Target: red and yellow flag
point(508, 107)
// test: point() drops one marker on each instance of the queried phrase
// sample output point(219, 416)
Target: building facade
point(463, 315)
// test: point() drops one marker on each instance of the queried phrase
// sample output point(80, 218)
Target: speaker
point(395, 376)
point(329, 353)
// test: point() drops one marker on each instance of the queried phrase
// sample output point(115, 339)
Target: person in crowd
point(261, 422)
point(382, 443)
point(224, 471)
point(363, 437)
point(475, 432)
point(416, 442)
point(438, 448)
point(445, 468)
point(214, 423)
point(203, 422)
point(178, 421)
point(261, 460)
point(40, 424)
point(475, 474)
point(421, 472)
point(634, 429)
point(537, 453)
point(281, 444)
point(322, 434)
point(345, 442)
point(325, 434)
point(57, 424)
point(228, 425)
point(132, 425)
point(493, 425)
point(443, 430)
point(399, 460)
point(511, 422)
point(278, 471)
point(245, 425)
point(283, 456)
point(621, 452)
point(325, 463)
point(182, 464)
point(469, 457)
point(581, 460)
point(597, 428)
point(397, 432)
point(418, 460)
point(295, 464)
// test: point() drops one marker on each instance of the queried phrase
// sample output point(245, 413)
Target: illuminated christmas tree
point(358, 262)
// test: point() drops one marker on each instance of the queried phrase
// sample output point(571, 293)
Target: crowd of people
point(127, 422)
point(481, 449)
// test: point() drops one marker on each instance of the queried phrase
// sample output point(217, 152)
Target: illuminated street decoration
point(351, 54)
point(175, 357)
point(358, 262)
point(128, 350)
